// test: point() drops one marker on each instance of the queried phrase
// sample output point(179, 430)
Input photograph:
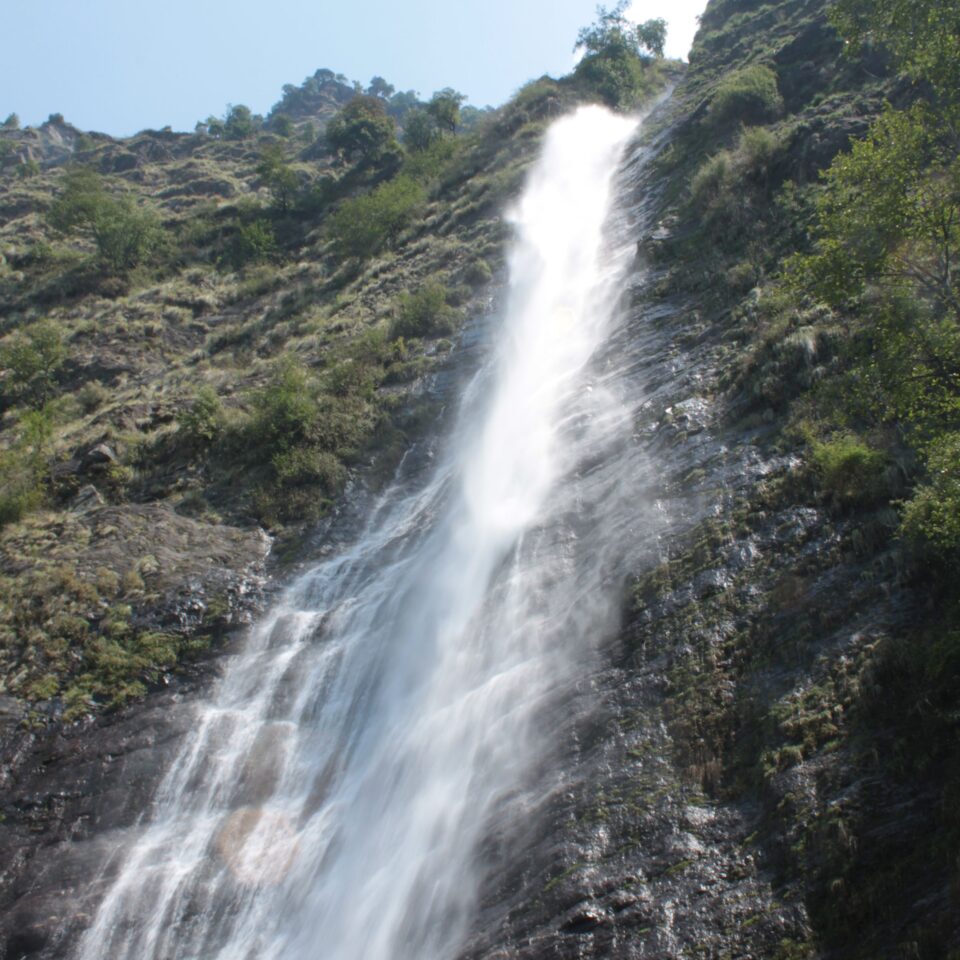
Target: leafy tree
point(362, 133)
point(214, 126)
point(253, 242)
point(282, 125)
point(12, 122)
point(402, 102)
point(444, 107)
point(613, 61)
point(281, 179)
point(364, 225)
point(239, 122)
point(424, 313)
point(380, 88)
point(420, 130)
point(923, 35)
point(125, 234)
point(652, 36)
point(32, 358)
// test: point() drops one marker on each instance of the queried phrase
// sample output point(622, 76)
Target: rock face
point(67, 792)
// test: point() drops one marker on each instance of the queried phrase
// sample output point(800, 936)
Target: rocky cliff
point(748, 768)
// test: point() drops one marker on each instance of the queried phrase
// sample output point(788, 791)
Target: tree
point(380, 88)
point(239, 122)
point(12, 122)
point(923, 36)
point(401, 103)
point(282, 125)
point(614, 57)
point(125, 234)
point(280, 178)
point(444, 107)
point(362, 132)
point(364, 225)
point(420, 130)
point(652, 36)
point(32, 358)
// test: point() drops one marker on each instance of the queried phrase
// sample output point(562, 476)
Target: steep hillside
point(219, 343)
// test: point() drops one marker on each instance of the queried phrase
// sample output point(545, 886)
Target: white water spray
point(333, 796)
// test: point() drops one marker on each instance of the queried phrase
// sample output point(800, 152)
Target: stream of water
point(333, 797)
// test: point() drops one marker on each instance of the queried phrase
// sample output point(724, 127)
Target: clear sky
point(119, 66)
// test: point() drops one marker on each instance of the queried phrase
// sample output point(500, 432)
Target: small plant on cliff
point(32, 359)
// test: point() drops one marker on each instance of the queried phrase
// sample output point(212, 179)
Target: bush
point(363, 226)
point(423, 314)
point(850, 473)
point(253, 242)
point(478, 273)
point(932, 515)
point(749, 96)
point(285, 409)
point(125, 234)
point(202, 423)
point(32, 358)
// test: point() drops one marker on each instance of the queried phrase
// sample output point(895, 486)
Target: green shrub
point(32, 359)
point(253, 242)
point(202, 423)
point(285, 409)
point(849, 472)
point(932, 515)
point(478, 273)
point(364, 225)
point(308, 466)
point(125, 234)
point(749, 96)
point(423, 314)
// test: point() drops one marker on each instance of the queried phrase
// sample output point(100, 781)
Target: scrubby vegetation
point(812, 214)
point(221, 327)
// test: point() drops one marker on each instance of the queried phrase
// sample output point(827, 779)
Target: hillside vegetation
point(812, 213)
point(208, 334)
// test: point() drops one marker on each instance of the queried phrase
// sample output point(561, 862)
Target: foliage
point(424, 313)
point(890, 213)
point(420, 130)
point(125, 234)
point(729, 190)
point(285, 410)
point(612, 30)
point(362, 133)
point(32, 358)
point(749, 96)
point(362, 226)
point(254, 242)
point(923, 35)
point(23, 467)
point(203, 421)
point(444, 107)
point(614, 55)
point(12, 122)
point(932, 516)
point(282, 125)
point(849, 471)
point(239, 122)
point(378, 87)
point(652, 35)
point(280, 178)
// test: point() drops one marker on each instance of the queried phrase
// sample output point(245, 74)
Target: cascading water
point(334, 794)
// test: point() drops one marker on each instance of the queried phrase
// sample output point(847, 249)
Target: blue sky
point(119, 66)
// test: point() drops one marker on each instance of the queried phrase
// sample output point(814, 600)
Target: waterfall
point(334, 794)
